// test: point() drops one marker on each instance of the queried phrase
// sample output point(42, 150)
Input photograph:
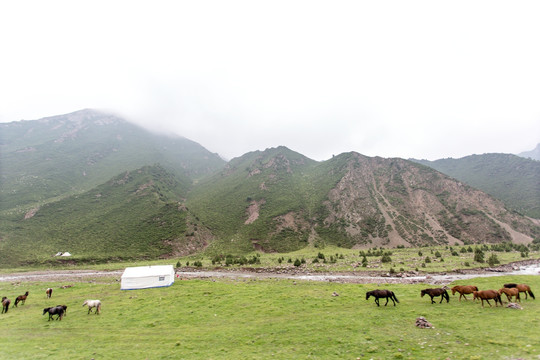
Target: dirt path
point(528, 267)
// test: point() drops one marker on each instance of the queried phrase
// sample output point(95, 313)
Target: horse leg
point(377, 301)
point(387, 302)
point(433, 302)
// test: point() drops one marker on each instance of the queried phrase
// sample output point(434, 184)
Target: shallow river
point(74, 275)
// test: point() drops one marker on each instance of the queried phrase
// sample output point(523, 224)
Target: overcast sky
point(423, 79)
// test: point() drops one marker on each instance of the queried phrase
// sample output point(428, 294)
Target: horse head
point(422, 293)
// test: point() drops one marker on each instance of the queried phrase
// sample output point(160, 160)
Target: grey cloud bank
point(396, 79)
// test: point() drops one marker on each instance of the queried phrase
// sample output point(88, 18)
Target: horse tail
point(16, 301)
point(531, 293)
point(394, 296)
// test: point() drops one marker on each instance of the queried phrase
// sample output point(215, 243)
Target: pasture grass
point(264, 319)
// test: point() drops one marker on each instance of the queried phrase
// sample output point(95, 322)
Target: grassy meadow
point(264, 319)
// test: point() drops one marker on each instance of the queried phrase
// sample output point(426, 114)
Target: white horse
point(93, 304)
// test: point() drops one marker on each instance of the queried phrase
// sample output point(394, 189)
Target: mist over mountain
point(67, 154)
point(532, 154)
point(93, 178)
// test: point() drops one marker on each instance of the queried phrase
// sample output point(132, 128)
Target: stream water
point(530, 269)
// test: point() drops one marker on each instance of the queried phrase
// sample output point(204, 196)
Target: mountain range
point(102, 188)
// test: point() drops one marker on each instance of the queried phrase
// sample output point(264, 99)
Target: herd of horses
point(510, 290)
point(59, 310)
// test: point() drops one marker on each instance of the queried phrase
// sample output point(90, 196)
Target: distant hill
point(511, 178)
point(135, 215)
point(278, 200)
point(533, 154)
point(47, 159)
point(104, 189)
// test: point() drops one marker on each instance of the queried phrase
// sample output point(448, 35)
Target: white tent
point(144, 277)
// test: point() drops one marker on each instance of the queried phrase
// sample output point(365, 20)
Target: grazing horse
point(436, 292)
point(21, 298)
point(93, 304)
point(487, 295)
point(49, 293)
point(377, 294)
point(464, 289)
point(5, 304)
point(63, 307)
point(524, 288)
point(56, 310)
point(509, 292)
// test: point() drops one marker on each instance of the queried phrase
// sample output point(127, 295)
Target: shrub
point(493, 260)
point(427, 260)
point(386, 258)
point(297, 263)
point(420, 253)
point(479, 256)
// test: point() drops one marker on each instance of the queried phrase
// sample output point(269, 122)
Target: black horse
point(57, 310)
point(436, 292)
point(21, 298)
point(5, 304)
point(377, 294)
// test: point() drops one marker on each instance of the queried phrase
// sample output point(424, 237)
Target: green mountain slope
point(513, 179)
point(135, 215)
point(278, 200)
point(48, 159)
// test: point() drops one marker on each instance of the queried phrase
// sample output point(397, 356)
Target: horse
point(487, 295)
point(93, 304)
point(5, 304)
point(21, 298)
point(63, 307)
point(524, 288)
point(464, 289)
point(509, 292)
point(56, 310)
point(436, 292)
point(49, 293)
point(377, 294)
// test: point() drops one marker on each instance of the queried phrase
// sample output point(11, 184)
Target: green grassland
point(263, 319)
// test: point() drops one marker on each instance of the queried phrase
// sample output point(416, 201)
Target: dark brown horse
point(488, 295)
point(377, 294)
point(49, 293)
point(509, 292)
point(63, 307)
point(524, 288)
point(57, 310)
point(5, 304)
point(464, 289)
point(436, 292)
point(21, 298)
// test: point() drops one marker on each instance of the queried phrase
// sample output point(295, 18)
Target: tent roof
point(145, 271)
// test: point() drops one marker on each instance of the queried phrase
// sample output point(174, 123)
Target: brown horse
point(488, 295)
point(509, 292)
point(524, 288)
point(381, 294)
point(21, 298)
point(5, 304)
point(49, 293)
point(436, 292)
point(464, 289)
